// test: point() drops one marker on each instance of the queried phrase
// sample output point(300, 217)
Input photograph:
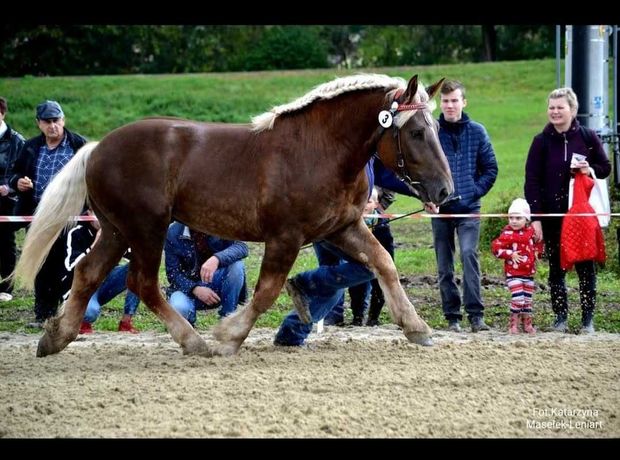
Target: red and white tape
point(384, 216)
point(444, 216)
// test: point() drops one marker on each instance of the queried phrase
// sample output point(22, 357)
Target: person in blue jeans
point(316, 292)
point(474, 170)
point(204, 272)
point(114, 284)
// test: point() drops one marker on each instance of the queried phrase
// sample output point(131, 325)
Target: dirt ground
point(348, 382)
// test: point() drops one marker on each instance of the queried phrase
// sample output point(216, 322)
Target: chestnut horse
point(295, 175)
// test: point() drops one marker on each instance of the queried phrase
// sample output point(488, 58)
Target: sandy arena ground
point(348, 382)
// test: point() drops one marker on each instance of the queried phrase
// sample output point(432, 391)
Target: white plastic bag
point(599, 198)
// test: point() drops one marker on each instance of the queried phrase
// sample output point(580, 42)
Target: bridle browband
point(388, 121)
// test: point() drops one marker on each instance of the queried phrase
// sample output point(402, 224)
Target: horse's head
point(410, 144)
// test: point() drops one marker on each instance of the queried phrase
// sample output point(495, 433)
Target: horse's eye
point(417, 134)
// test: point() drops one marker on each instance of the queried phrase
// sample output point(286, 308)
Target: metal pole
point(558, 55)
point(579, 78)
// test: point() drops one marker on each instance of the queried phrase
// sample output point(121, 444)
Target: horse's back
point(192, 170)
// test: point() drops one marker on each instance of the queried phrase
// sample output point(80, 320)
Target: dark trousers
point(7, 244)
point(48, 290)
point(586, 271)
point(383, 233)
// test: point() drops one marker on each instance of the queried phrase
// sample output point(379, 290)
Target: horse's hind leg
point(143, 279)
point(89, 273)
point(359, 243)
point(279, 257)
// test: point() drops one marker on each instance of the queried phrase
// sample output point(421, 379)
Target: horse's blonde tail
point(63, 198)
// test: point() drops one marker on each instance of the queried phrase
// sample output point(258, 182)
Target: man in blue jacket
point(474, 169)
point(204, 272)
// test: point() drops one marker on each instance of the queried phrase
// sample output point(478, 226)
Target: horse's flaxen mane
point(327, 91)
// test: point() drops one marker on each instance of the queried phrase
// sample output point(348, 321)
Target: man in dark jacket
point(474, 169)
point(38, 161)
point(10, 144)
point(204, 272)
point(43, 156)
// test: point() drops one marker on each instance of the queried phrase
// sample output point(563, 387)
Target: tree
point(287, 47)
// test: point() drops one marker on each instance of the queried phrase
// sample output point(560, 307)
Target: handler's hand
point(431, 207)
point(208, 269)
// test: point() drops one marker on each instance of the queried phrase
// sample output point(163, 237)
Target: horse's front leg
point(358, 242)
point(280, 254)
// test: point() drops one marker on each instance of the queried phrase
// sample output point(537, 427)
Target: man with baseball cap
point(48, 110)
point(39, 160)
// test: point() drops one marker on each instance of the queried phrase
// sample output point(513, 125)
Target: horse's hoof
point(47, 346)
point(225, 349)
point(420, 338)
point(197, 346)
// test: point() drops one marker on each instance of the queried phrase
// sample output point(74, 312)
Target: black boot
point(587, 322)
point(357, 321)
point(561, 323)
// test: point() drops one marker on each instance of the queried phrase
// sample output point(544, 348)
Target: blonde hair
point(570, 96)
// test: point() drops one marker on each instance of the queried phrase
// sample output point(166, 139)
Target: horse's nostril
point(443, 194)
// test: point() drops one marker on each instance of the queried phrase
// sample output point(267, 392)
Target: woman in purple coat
point(547, 175)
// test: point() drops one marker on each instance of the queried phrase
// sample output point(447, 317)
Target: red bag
point(581, 238)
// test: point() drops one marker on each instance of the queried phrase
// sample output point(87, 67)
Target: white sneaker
point(5, 297)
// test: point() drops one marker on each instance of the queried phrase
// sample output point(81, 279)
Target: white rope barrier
point(384, 216)
point(31, 218)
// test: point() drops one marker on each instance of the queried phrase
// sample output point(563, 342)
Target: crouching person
point(204, 272)
point(114, 284)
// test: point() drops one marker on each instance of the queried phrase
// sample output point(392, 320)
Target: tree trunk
point(489, 43)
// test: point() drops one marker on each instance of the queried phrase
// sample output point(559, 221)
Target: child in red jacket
point(516, 246)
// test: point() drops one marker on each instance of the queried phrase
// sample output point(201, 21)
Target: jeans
point(468, 233)
point(227, 284)
point(323, 287)
point(586, 271)
point(113, 285)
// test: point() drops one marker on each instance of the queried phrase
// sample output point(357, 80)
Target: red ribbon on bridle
point(414, 106)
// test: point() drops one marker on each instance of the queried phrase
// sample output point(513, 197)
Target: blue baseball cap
point(49, 109)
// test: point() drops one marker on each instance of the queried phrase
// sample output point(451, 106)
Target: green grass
point(509, 98)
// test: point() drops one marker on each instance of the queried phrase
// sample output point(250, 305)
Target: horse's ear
point(412, 88)
point(432, 90)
